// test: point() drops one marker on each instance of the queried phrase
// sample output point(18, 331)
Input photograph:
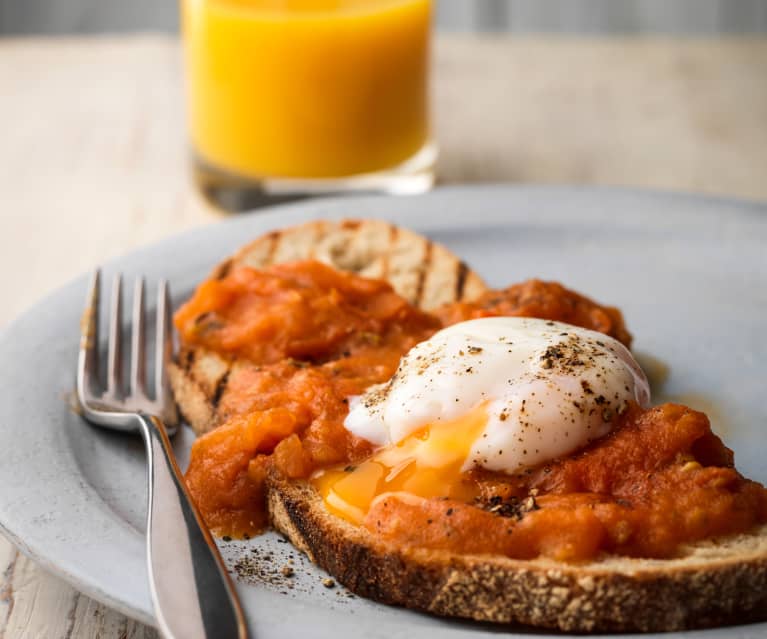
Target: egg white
point(549, 388)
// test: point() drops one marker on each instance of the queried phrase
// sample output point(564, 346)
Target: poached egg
point(500, 393)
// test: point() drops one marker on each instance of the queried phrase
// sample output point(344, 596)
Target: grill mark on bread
point(425, 266)
point(223, 269)
point(393, 233)
point(274, 239)
point(220, 388)
point(460, 279)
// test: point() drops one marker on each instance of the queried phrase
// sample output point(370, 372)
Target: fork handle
point(192, 594)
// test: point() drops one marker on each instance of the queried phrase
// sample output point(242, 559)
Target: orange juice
point(307, 88)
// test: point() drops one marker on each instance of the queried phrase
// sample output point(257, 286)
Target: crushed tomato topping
point(306, 337)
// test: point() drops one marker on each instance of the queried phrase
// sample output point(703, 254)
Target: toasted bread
point(712, 583)
point(423, 272)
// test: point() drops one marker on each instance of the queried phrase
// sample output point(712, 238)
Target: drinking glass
point(287, 98)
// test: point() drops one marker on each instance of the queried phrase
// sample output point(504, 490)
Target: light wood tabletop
point(93, 162)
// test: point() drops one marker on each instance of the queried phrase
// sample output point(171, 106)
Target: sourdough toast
point(716, 582)
point(712, 583)
point(423, 272)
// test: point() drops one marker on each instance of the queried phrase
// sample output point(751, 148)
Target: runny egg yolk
point(500, 394)
point(426, 463)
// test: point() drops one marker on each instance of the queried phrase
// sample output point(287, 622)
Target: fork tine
point(114, 357)
point(164, 344)
point(138, 341)
point(88, 357)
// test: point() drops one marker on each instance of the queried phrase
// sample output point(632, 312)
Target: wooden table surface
point(93, 162)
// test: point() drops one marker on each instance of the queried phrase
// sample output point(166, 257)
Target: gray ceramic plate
point(689, 273)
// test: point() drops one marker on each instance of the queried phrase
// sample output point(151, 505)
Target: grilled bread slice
point(713, 583)
point(721, 581)
point(423, 272)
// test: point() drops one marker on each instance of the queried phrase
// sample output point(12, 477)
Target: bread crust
point(425, 273)
point(717, 582)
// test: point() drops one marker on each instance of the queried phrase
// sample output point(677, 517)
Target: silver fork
point(192, 594)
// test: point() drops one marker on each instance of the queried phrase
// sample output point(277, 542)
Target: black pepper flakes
point(512, 507)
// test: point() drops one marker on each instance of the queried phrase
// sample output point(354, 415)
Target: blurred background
point(519, 16)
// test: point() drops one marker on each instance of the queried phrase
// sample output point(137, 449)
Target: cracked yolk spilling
point(426, 464)
point(501, 394)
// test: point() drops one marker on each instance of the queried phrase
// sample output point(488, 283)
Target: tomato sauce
point(660, 479)
point(305, 311)
point(307, 337)
point(544, 300)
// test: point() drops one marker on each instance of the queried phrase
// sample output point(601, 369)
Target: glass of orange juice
point(295, 97)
